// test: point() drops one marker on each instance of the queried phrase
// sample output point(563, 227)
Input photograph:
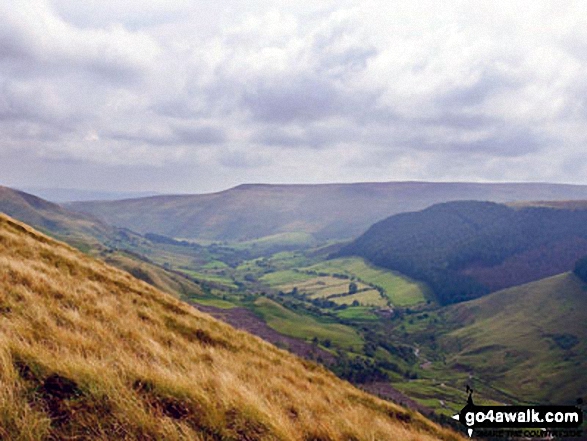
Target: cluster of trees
point(436, 244)
point(319, 302)
point(359, 370)
point(158, 238)
point(324, 274)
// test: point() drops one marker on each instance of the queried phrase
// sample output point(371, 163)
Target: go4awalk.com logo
point(522, 421)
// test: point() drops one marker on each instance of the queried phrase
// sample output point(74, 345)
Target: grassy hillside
point(326, 211)
point(89, 352)
point(51, 218)
point(170, 282)
point(530, 340)
point(526, 344)
point(96, 238)
point(305, 327)
point(466, 249)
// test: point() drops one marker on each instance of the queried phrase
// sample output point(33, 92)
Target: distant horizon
point(115, 195)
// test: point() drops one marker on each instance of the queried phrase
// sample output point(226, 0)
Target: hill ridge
point(326, 211)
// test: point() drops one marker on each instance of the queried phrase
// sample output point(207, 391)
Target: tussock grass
point(89, 352)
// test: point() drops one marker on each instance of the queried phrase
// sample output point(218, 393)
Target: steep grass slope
point(530, 340)
point(327, 211)
point(94, 237)
point(89, 352)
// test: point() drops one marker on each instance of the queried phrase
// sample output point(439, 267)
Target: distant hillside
point(93, 236)
point(89, 352)
point(563, 205)
point(167, 281)
point(466, 249)
point(51, 218)
point(71, 194)
point(327, 211)
point(530, 340)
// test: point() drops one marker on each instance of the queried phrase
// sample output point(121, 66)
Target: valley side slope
point(87, 351)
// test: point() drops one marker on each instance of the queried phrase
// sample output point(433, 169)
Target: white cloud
point(269, 91)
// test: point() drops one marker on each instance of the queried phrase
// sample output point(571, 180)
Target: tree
point(353, 288)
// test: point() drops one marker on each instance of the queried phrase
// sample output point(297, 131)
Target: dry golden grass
point(89, 352)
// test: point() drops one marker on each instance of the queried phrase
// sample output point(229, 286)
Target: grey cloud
point(308, 137)
point(276, 137)
point(13, 46)
point(200, 135)
point(184, 135)
point(316, 136)
point(133, 14)
point(337, 59)
point(458, 120)
point(292, 99)
point(310, 98)
point(489, 83)
point(352, 59)
point(34, 40)
point(113, 72)
point(26, 169)
point(242, 160)
point(499, 143)
point(237, 96)
point(515, 144)
point(16, 132)
point(176, 108)
point(35, 103)
point(321, 83)
point(151, 139)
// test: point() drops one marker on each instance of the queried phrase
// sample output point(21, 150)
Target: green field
point(370, 297)
point(285, 277)
point(215, 265)
point(322, 287)
point(359, 313)
point(400, 290)
point(306, 327)
point(336, 290)
point(217, 303)
point(320, 281)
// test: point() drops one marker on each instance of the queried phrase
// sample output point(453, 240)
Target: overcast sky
point(198, 96)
